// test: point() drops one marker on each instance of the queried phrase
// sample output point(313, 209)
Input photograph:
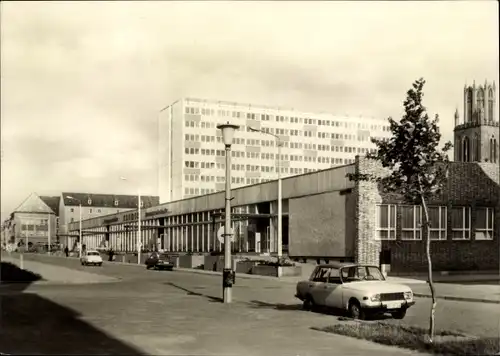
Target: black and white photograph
point(249, 178)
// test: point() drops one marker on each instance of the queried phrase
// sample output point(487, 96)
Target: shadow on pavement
point(16, 279)
point(328, 311)
point(277, 306)
point(32, 324)
point(190, 292)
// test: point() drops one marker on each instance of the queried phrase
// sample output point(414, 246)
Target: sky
point(82, 82)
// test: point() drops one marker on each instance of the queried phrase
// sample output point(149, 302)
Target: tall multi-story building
point(191, 153)
point(476, 136)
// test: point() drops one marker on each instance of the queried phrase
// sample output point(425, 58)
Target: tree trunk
point(429, 271)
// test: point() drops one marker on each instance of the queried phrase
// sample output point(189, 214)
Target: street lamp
point(280, 207)
point(139, 233)
point(228, 131)
point(80, 239)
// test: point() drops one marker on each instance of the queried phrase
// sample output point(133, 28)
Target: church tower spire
point(476, 138)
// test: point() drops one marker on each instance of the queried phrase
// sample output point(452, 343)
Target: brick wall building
point(465, 221)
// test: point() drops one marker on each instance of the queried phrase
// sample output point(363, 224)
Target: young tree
point(417, 169)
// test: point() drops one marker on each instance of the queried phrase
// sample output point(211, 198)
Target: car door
point(315, 285)
point(331, 290)
point(334, 289)
point(324, 289)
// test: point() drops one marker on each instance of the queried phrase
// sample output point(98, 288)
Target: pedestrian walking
point(111, 254)
point(66, 251)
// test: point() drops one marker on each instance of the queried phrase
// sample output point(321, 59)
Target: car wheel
point(82, 263)
point(100, 264)
point(308, 303)
point(400, 314)
point(148, 266)
point(355, 310)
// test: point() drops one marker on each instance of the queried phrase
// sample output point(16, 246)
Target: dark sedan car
point(159, 261)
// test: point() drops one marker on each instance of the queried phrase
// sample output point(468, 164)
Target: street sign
point(220, 234)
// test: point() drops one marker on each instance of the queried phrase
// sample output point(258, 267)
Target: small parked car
point(91, 257)
point(356, 288)
point(159, 260)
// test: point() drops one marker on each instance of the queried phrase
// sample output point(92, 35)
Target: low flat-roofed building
point(327, 216)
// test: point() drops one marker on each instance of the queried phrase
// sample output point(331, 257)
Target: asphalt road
point(144, 295)
point(164, 313)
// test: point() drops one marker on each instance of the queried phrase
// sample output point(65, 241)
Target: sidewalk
point(483, 293)
point(57, 274)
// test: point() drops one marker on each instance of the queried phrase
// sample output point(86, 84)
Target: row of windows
point(265, 155)
point(281, 118)
point(194, 191)
point(275, 131)
point(271, 143)
point(268, 156)
point(480, 103)
point(72, 210)
point(411, 220)
point(467, 153)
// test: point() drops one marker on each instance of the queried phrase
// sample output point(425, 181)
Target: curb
point(460, 299)
point(186, 270)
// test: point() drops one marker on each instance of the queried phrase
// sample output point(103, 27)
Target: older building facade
point(33, 221)
point(464, 218)
point(476, 136)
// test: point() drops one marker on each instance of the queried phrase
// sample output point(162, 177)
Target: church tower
point(476, 136)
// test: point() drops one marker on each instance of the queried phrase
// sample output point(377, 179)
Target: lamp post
point(80, 238)
point(280, 207)
point(228, 131)
point(139, 232)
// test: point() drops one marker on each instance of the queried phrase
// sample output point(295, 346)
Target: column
point(198, 231)
point(186, 233)
point(183, 233)
point(203, 228)
point(191, 231)
point(247, 247)
point(176, 234)
point(271, 239)
point(209, 231)
point(129, 241)
point(180, 231)
point(219, 225)
point(148, 236)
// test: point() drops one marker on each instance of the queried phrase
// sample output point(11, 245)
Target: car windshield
point(93, 254)
point(361, 273)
